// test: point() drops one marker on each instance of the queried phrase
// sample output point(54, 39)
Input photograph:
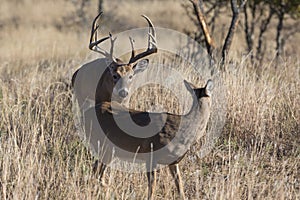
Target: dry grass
point(41, 157)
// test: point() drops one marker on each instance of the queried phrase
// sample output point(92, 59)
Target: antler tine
point(151, 33)
point(94, 40)
point(112, 43)
point(132, 46)
point(152, 46)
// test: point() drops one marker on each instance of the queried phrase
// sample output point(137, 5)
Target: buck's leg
point(151, 176)
point(174, 169)
point(98, 169)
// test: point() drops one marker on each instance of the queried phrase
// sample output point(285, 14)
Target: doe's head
point(206, 91)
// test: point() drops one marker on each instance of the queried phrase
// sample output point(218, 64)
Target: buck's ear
point(209, 87)
point(141, 66)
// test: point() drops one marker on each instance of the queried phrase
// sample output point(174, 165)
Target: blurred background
point(32, 29)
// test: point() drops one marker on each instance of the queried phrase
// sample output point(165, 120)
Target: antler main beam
point(94, 34)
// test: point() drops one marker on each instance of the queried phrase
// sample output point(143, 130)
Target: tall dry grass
point(41, 156)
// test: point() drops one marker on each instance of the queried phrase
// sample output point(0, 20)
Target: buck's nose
point(123, 93)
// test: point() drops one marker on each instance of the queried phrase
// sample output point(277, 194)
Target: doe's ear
point(188, 86)
point(141, 66)
point(209, 87)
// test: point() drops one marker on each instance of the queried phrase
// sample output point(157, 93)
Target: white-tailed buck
point(169, 139)
point(101, 79)
point(109, 76)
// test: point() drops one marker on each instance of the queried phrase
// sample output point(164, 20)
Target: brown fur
point(107, 112)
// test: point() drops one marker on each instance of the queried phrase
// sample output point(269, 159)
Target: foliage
point(289, 7)
point(262, 14)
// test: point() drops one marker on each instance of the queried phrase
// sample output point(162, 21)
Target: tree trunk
point(235, 20)
point(100, 6)
point(248, 30)
point(250, 24)
point(263, 28)
point(229, 37)
point(210, 46)
point(279, 45)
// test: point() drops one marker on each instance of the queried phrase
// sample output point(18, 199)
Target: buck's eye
point(115, 77)
point(130, 77)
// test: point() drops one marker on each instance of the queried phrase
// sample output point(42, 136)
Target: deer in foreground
point(106, 114)
point(109, 76)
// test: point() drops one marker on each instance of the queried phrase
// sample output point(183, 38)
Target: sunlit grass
point(41, 155)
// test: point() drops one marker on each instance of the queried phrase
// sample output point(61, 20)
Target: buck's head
point(120, 73)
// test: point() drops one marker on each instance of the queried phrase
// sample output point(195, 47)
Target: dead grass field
point(41, 156)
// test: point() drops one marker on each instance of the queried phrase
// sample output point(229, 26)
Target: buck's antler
point(152, 46)
point(94, 41)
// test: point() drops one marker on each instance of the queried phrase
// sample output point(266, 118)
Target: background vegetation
point(41, 156)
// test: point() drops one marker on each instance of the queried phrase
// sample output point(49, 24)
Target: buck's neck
point(104, 88)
